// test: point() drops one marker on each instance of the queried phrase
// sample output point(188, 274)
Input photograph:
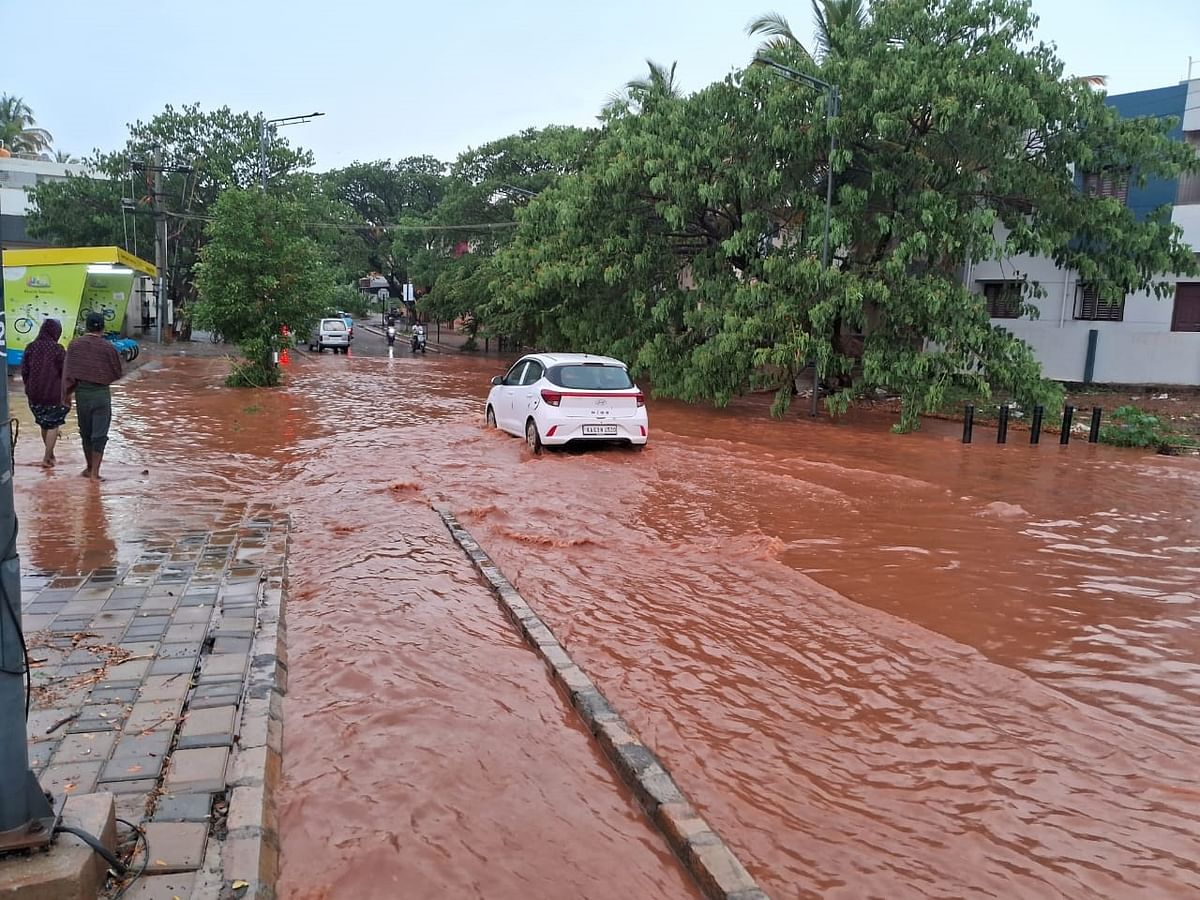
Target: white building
point(15, 176)
point(1141, 339)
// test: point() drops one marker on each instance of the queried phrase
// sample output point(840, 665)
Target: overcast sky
point(398, 78)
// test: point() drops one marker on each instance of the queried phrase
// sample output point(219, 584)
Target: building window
point(1003, 299)
point(1187, 307)
point(1091, 306)
point(1111, 183)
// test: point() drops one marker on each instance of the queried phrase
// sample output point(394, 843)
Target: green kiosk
point(66, 284)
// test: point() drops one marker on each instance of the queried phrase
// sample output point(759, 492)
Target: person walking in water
point(92, 365)
point(42, 372)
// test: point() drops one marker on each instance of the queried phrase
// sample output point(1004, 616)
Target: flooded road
point(880, 665)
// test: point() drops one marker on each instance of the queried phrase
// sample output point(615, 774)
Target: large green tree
point(203, 154)
point(476, 217)
point(258, 273)
point(389, 201)
point(18, 128)
point(691, 241)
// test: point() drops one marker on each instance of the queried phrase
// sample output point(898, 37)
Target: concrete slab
point(89, 746)
point(217, 720)
point(151, 715)
point(71, 778)
point(175, 846)
point(197, 771)
point(166, 687)
point(162, 887)
point(70, 870)
point(183, 808)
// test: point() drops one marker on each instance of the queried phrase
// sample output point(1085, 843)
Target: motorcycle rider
point(391, 335)
point(418, 337)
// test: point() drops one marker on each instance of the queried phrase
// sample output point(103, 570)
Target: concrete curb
point(249, 852)
point(719, 873)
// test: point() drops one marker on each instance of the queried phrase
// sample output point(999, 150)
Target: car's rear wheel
point(491, 417)
point(532, 438)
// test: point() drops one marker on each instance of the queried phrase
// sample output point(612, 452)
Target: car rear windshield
point(590, 377)
point(333, 325)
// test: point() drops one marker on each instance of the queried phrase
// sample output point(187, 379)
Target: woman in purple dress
point(42, 371)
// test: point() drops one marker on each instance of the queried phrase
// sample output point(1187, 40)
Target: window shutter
point(1187, 307)
point(1092, 307)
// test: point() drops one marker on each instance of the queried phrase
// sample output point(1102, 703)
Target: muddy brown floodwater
point(880, 665)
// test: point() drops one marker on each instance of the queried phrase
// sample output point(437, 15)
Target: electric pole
point(160, 245)
point(26, 817)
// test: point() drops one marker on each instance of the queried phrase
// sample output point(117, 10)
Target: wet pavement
point(880, 665)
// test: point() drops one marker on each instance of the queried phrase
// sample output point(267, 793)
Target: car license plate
point(607, 430)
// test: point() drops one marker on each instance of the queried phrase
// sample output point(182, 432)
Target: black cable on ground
point(93, 842)
point(14, 432)
point(145, 857)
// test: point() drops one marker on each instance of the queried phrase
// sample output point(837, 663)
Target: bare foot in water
point(46, 463)
point(86, 473)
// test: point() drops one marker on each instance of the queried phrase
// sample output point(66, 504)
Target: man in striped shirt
point(92, 365)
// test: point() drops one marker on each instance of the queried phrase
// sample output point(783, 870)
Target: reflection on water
point(882, 665)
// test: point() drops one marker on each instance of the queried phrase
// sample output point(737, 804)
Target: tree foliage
point(487, 186)
point(204, 153)
point(691, 239)
point(258, 272)
point(18, 128)
point(830, 17)
point(388, 201)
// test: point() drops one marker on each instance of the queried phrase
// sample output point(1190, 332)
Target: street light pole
point(264, 124)
point(26, 817)
point(832, 108)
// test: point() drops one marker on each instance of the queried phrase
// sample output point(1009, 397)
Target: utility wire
point(346, 226)
point(145, 857)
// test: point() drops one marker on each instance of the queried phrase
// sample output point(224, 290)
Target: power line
point(346, 226)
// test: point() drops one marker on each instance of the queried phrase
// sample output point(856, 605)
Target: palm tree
point(778, 32)
point(830, 17)
point(658, 82)
point(65, 156)
point(17, 127)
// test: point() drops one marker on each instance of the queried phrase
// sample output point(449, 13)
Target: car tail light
point(550, 433)
point(641, 399)
point(643, 428)
point(552, 398)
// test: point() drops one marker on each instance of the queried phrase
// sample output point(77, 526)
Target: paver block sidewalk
point(142, 679)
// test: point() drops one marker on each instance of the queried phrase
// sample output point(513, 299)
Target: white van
point(330, 333)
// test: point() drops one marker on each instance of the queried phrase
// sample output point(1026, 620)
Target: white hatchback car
point(565, 398)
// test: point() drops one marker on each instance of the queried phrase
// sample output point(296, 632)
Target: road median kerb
point(250, 851)
point(706, 856)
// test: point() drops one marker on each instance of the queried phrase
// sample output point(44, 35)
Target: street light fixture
point(831, 113)
point(519, 191)
point(263, 125)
